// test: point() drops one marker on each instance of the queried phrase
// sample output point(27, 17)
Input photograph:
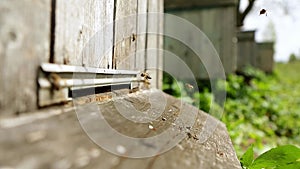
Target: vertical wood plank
point(80, 37)
point(141, 35)
point(69, 33)
point(246, 49)
point(24, 44)
point(228, 48)
point(160, 44)
point(125, 34)
point(152, 41)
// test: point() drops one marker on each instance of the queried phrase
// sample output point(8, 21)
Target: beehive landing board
point(55, 139)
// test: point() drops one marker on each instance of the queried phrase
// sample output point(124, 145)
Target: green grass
point(267, 114)
point(263, 111)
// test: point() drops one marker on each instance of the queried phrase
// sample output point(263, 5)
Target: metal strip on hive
point(57, 81)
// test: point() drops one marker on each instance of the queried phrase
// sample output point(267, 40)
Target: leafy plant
point(260, 109)
point(282, 157)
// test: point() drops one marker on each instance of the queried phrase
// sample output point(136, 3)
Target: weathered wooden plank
point(141, 35)
point(69, 34)
point(160, 44)
point(98, 14)
point(228, 41)
point(81, 35)
point(152, 41)
point(125, 34)
point(181, 4)
point(56, 140)
point(24, 44)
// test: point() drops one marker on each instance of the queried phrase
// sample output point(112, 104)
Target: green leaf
point(282, 157)
point(247, 158)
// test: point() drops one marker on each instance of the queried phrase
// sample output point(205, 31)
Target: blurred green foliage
point(293, 58)
point(260, 109)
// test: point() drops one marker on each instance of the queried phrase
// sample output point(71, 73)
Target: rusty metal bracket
point(57, 81)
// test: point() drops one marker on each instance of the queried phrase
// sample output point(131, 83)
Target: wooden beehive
point(79, 34)
point(217, 20)
point(246, 50)
point(265, 56)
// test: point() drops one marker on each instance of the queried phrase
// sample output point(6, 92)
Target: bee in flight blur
point(189, 86)
point(262, 12)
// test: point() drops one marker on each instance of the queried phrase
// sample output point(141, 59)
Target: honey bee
point(189, 86)
point(263, 11)
point(192, 136)
point(146, 76)
point(55, 80)
point(135, 89)
point(133, 37)
point(66, 61)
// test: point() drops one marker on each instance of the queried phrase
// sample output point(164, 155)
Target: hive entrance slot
point(61, 83)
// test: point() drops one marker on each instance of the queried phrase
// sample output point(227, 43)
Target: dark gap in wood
point(136, 31)
point(114, 64)
point(96, 90)
point(38, 70)
point(146, 38)
point(157, 43)
point(52, 31)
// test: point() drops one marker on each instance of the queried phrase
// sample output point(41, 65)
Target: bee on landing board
point(146, 76)
point(55, 80)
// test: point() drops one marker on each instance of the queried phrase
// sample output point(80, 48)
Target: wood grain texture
point(141, 35)
point(24, 44)
point(84, 32)
point(58, 141)
point(152, 41)
point(125, 34)
point(160, 44)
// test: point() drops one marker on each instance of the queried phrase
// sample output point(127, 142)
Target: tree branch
point(242, 15)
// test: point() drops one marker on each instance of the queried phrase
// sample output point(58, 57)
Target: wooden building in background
point(217, 20)
point(246, 50)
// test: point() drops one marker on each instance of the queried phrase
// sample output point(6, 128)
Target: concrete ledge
point(58, 141)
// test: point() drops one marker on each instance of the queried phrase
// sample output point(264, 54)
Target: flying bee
point(146, 76)
point(133, 37)
point(189, 86)
point(263, 11)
